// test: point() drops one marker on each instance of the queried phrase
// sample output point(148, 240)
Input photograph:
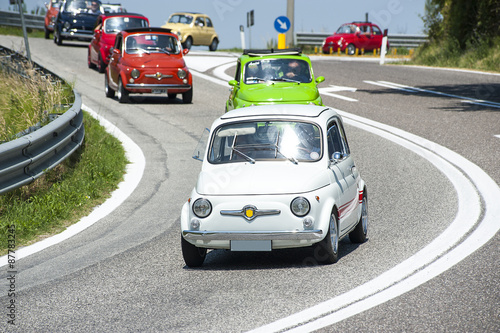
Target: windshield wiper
point(159, 49)
point(248, 158)
point(286, 80)
point(290, 158)
point(138, 48)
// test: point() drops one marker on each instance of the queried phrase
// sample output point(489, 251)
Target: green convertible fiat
point(273, 77)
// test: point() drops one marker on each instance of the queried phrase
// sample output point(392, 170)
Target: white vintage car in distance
point(273, 177)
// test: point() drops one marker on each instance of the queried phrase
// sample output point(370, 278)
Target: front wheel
point(358, 235)
point(101, 67)
point(213, 45)
point(351, 49)
point(193, 256)
point(327, 250)
point(109, 92)
point(122, 93)
point(187, 97)
point(57, 38)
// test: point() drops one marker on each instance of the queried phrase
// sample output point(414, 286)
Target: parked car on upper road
point(273, 77)
point(76, 20)
point(148, 61)
point(50, 16)
point(355, 35)
point(193, 29)
point(275, 177)
point(107, 26)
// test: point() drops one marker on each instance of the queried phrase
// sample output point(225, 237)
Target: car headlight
point(181, 73)
point(300, 206)
point(202, 207)
point(135, 73)
point(67, 25)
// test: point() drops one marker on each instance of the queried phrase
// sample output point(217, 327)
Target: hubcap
point(333, 234)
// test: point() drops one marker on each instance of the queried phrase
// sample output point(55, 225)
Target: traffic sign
point(282, 24)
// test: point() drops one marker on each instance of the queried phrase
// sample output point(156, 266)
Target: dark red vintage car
point(50, 16)
point(106, 28)
point(148, 60)
point(356, 35)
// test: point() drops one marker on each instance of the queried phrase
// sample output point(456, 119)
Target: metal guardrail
point(25, 159)
point(14, 19)
point(395, 40)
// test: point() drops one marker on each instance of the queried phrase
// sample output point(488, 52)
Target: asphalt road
point(126, 272)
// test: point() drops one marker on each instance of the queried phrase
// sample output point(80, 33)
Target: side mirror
point(116, 51)
point(320, 79)
point(233, 83)
point(185, 51)
point(337, 156)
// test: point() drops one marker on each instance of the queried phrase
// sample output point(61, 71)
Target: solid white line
point(441, 254)
point(497, 136)
point(388, 86)
point(220, 71)
point(131, 179)
point(474, 100)
point(488, 104)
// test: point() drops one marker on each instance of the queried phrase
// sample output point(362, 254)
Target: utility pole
point(290, 13)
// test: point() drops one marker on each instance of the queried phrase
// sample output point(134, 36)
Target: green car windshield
point(288, 70)
point(265, 141)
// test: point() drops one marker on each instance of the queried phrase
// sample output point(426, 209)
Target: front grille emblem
point(250, 212)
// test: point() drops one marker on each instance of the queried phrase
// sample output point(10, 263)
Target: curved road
point(414, 133)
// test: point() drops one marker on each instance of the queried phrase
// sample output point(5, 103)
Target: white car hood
point(262, 178)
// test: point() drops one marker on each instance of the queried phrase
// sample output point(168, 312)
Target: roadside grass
point(66, 193)
point(16, 31)
point(485, 57)
point(27, 100)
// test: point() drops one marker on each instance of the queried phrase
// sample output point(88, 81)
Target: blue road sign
point(282, 24)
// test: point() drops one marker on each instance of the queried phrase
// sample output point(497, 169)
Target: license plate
point(159, 91)
point(251, 245)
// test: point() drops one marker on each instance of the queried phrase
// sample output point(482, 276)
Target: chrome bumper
point(157, 86)
point(252, 235)
point(72, 34)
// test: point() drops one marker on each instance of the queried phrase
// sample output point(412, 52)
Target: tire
point(187, 97)
point(327, 250)
point(188, 43)
point(122, 94)
point(57, 38)
point(110, 93)
point(172, 96)
point(213, 45)
point(358, 235)
point(193, 256)
point(89, 63)
point(47, 33)
point(101, 67)
point(351, 49)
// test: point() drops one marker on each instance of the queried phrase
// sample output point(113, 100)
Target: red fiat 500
point(352, 36)
point(50, 16)
point(106, 28)
point(148, 60)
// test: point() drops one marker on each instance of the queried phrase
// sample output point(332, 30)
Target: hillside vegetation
point(462, 33)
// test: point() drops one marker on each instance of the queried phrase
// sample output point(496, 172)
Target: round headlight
point(300, 206)
point(135, 73)
point(181, 73)
point(202, 207)
point(67, 25)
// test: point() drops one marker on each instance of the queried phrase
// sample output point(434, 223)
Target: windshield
point(264, 141)
point(288, 70)
point(185, 19)
point(346, 29)
point(117, 24)
point(80, 6)
point(151, 43)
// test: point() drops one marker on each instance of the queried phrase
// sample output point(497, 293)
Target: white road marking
point(329, 91)
point(497, 136)
point(441, 254)
point(131, 178)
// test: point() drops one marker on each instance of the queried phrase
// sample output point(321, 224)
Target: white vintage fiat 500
point(274, 177)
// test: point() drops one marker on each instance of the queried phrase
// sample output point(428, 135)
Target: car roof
point(190, 13)
point(108, 15)
point(252, 54)
point(279, 110)
point(142, 30)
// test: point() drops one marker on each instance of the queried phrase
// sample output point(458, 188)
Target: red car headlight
point(181, 73)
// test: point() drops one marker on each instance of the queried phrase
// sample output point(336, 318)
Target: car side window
point(200, 22)
point(209, 22)
point(238, 72)
point(376, 31)
point(118, 43)
point(336, 139)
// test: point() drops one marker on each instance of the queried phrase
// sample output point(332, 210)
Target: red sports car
point(148, 60)
point(106, 28)
point(50, 16)
point(355, 35)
